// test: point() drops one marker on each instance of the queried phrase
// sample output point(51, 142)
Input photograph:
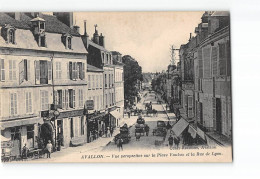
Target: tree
point(132, 78)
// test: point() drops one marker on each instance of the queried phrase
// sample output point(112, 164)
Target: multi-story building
point(206, 78)
point(42, 63)
point(96, 125)
point(101, 58)
point(119, 82)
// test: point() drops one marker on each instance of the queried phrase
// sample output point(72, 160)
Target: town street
point(104, 144)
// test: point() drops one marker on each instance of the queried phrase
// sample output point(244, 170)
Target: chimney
point(95, 35)
point(76, 28)
point(101, 40)
point(65, 17)
point(190, 37)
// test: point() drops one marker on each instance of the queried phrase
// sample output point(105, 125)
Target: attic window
point(67, 40)
point(8, 33)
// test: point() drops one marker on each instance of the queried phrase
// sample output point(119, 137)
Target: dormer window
point(67, 40)
point(8, 33)
point(38, 28)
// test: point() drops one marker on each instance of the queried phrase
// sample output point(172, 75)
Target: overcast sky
point(146, 36)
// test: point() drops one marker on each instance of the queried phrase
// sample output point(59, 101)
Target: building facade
point(42, 70)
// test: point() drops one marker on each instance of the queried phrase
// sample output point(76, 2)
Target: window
point(82, 124)
point(13, 103)
point(69, 42)
point(2, 70)
point(81, 70)
point(66, 96)
point(73, 70)
point(58, 98)
point(103, 57)
point(43, 72)
point(28, 101)
point(80, 98)
point(72, 98)
point(107, 59)
point(222, 59)
point(190, 106)
point(24, 70)
point(42, 41)
point(15, 133)
point(109, 80)
point(112, 100)
point(112, 79)
point(58, 70)
point(89, 82)
point(11, 36)
point(44, 100)
point(12, 70)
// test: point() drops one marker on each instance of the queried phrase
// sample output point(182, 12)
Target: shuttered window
point(13, 104)
point(190, 107)
point(2, 70)
point(200, 63)
point(228, 59)
point(49, 72)
point(93, 81)
point(222, 59)
point(12, 69)
point(58, 70)
point(89, 82)
point(80, 98)
point(63, 99)
point(44, 100)
point(214, 59)
point(206, 63)
point(28, 102)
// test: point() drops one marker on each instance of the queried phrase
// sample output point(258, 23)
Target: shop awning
point(116, 114)
point(180, 126)
point(201, 133)
point(21, 122)
point(192, 131)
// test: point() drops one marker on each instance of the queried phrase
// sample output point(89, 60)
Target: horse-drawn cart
point(124, 134)
point(160, 130)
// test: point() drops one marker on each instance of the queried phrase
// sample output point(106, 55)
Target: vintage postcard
point(115, 87)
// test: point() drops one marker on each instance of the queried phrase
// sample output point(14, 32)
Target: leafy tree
point(132, 77)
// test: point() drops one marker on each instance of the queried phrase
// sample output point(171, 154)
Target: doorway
point(218, 116)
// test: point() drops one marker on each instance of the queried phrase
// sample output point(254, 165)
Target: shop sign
point(73, 113)
point(89, 104)
point(7, 144)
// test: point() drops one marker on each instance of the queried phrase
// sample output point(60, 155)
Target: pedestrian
point(49, 149)
point(108, 132)
point(170, 139)
point(147, 128)
point(111, 131)
point(176, 141)
point(25, 152)
point(106, 129)
point(120, 144)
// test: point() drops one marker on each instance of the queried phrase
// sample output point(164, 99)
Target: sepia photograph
point(115, 87)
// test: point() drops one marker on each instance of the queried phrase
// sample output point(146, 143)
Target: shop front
point(19, 133)
point(96, 125)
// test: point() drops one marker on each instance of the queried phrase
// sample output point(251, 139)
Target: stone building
point(43, 63)
point(119, 82)
point(100, 57)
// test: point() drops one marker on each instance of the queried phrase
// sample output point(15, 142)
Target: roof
point(93, 44)
point(220, 13)
point(93, 68)
point(53, 25)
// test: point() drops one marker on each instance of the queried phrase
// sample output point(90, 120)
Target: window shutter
point(66, 99)
point(200, 63)
point(214, 59)
point(49, 72)
point(2, 70)
point(55, 98)
point(83, 71)
point(222, 59)
point(228, 59)
point(74, 98)
point(78, 71)
point(73, 71)
point(21, 72)
point(190, 106)
point(30, 102)
point(70, 71)
point(28, 70)
point(214, 113)
point(63, 99)
point(37, 72)
point(206, 63)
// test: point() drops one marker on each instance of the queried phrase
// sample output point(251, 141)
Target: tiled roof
point(90, 42)
point(53, 25)
point(93, 68)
